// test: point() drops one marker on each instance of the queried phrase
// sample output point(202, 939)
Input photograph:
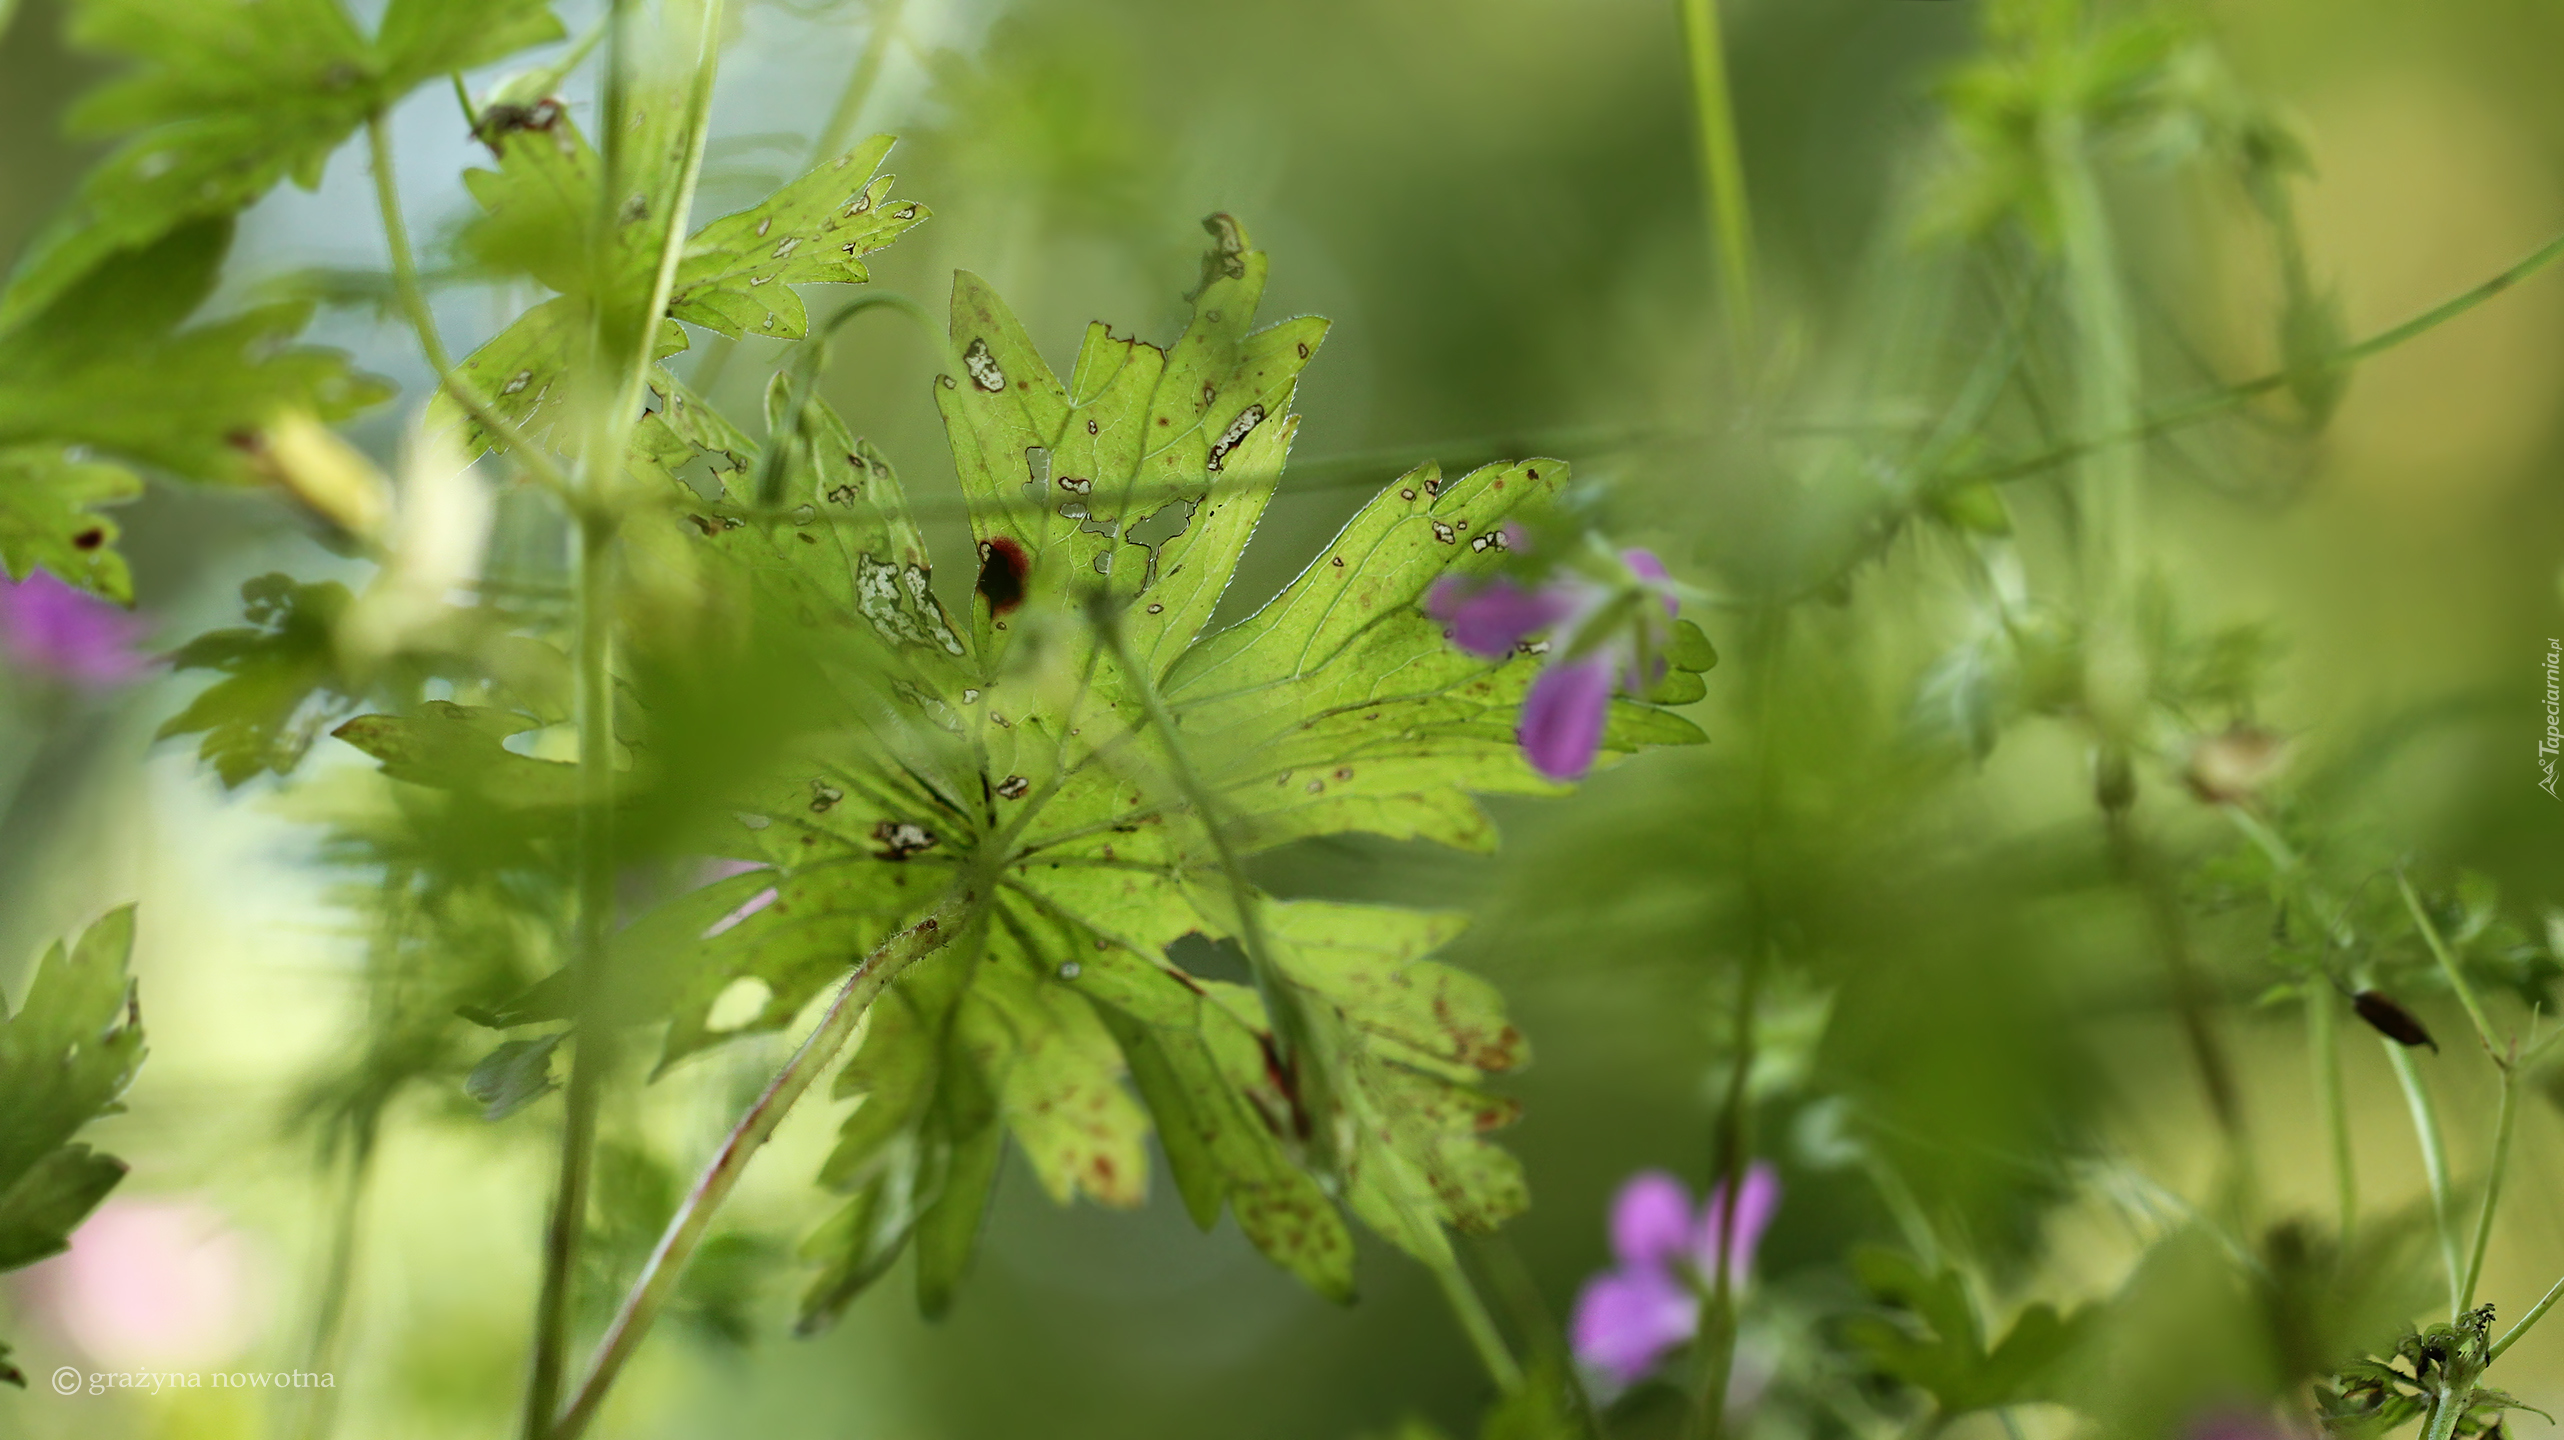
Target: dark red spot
point(90, 539)
point(1534, 474)
point(1003, 569)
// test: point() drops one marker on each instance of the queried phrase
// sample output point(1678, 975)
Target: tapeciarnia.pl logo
point(2553, 740)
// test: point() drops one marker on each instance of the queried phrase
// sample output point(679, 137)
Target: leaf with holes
point(1023, 740)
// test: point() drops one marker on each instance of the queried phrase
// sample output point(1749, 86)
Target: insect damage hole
point(1003, 570)
point(985, 373)
point(1238, 430)
point(900, 839)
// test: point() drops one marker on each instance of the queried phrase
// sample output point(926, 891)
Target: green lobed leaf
point(49, 517)
point(226, 98)
point(104, 371)
point(1339, 705)
point(65, 1058)
point(275, 693)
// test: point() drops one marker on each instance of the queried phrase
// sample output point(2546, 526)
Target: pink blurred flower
point(1628, 1317)
point(54, 629)
point(1597, 644)
point(162, 1283)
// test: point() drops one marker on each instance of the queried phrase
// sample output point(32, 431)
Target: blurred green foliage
point(1987, 1046)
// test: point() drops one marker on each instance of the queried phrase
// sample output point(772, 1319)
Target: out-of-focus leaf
point(225, 99)
point(1941, 1350)
point(65, 1057)
point(48, 517)
point(513, 1076)
point(105, 368)
point(273, 698)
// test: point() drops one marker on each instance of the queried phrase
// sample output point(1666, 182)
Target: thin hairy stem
point(600, 476)
point(832, 141)
point(338, 1282)
point(1477, 1324)
point(2502, 1129)
point(2192, 996)
point(1722, 169)
point(1734, 1139)
point(2324, 1027)
point(2448, 966)
point(2535, 1313)
point(592, 1037)
point(2208, 404)
point(2434, 1167)
point(839, 132)
point(961, 907)
point(413, 298)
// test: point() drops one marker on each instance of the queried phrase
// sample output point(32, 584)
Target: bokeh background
point(1496, 202)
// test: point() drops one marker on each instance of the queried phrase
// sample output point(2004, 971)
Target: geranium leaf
point(65, 1057)
point(227, 98)
point(738, 272)
point(104, 365)
point(274, 696)
point(1339, 705)
point(48, 517)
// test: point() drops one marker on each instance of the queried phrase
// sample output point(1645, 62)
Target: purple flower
point(1628, 1317)
point(51, 628)
point(1603, 634)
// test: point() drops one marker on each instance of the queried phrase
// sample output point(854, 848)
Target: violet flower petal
point(49, 625)
point(1761, 1194)
point(1491, 617)
point(1651, 1220)
point(1645, 565)
point(1626, 1320)
point(1562, 717)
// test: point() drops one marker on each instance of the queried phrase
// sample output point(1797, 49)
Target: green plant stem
point(2448, 1406)
point(1520, 1294)
point(2502, 1128)
point(595, 505)
point(1716, 1343)
point(1731, 223)
point(2448, 966)
point(413, 298)
point(2434, 1165)
point(1305, 1057)
point(593, 1036)
point(2323, 1025)
point(961, 907)
point(626, 411)
point(1718, 1318)
point(833, 139)
point(2535, 1313)
point(839, 132)
point(2107, 491)
point(338, 1283)
point(1477, 1324)
point(2139, 866)
point(2208, 404)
